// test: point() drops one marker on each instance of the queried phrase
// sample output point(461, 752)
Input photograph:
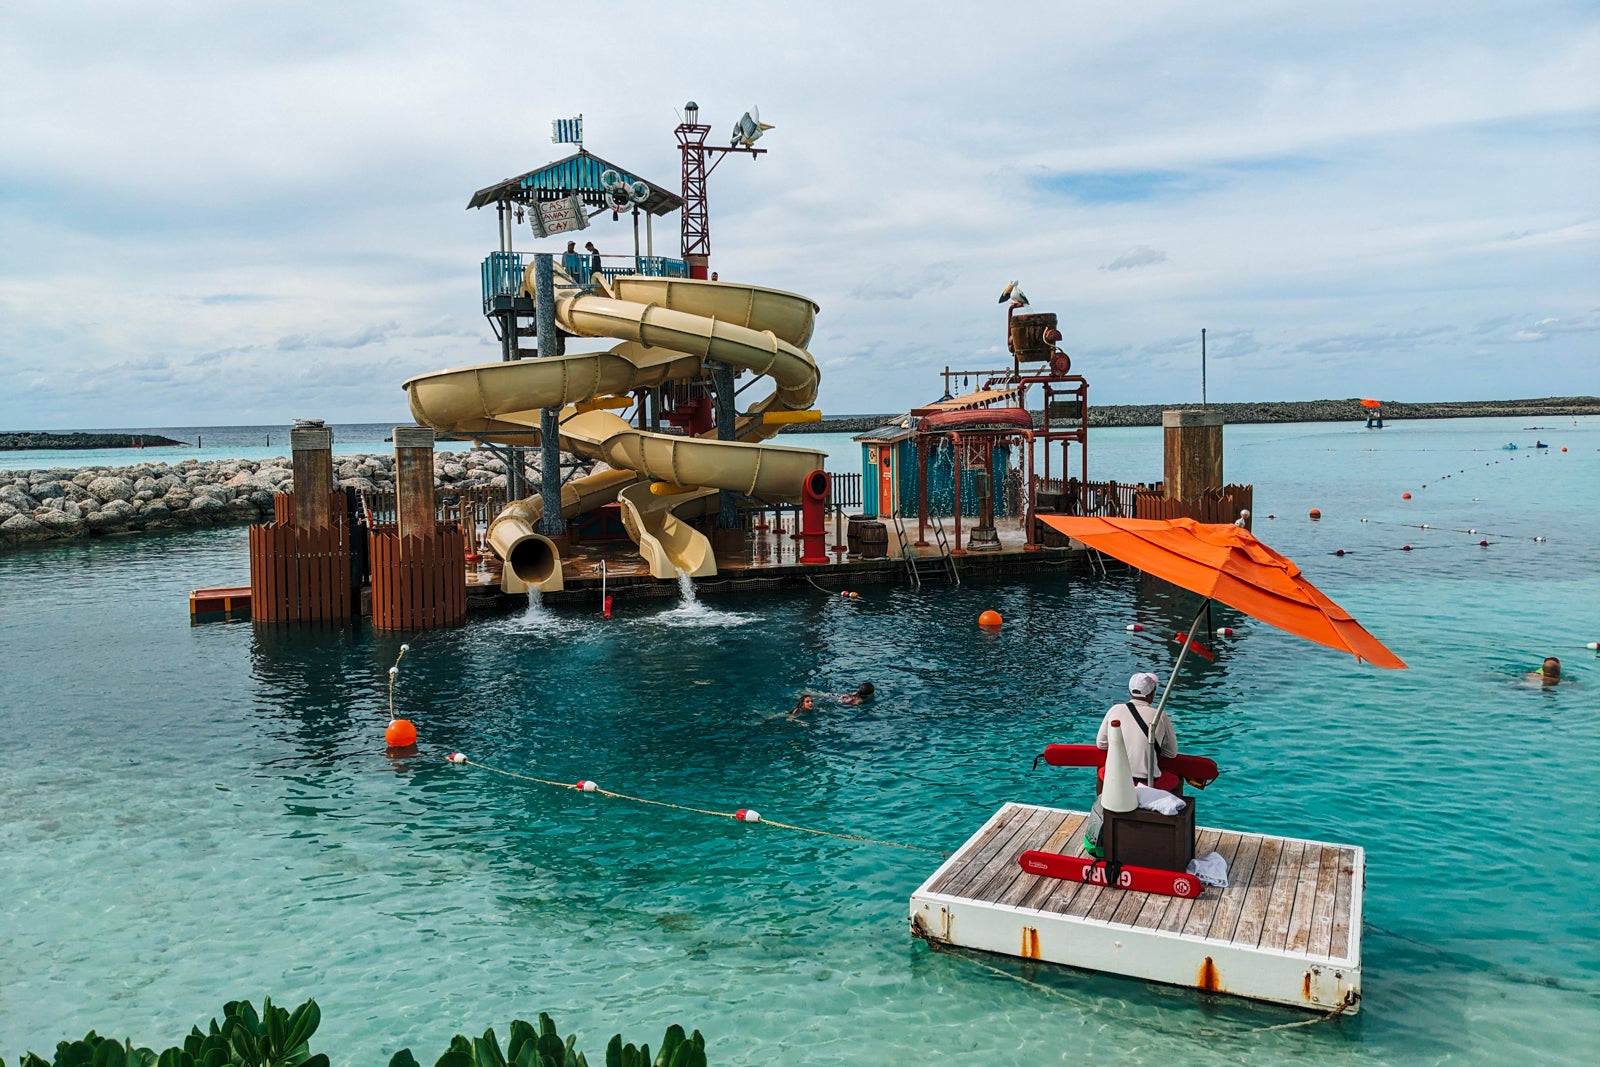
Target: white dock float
point(1287, 929)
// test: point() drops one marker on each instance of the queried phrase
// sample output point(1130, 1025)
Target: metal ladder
point(944, 564)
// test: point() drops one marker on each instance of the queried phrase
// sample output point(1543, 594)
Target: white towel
point(1211, 869)
point(1159, 800)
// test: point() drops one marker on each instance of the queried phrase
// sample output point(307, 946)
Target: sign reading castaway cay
point(559, 216)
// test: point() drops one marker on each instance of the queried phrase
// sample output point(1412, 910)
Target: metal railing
point(503, 271)
point(502, 276)
point(845, 490)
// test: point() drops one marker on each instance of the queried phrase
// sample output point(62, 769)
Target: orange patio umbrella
point(1226, 563)
point(1372, 403)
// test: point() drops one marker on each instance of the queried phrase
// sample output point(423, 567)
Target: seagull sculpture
point(748, 130)
point(1014, 294)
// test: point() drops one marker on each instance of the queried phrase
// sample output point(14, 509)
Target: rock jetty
point(45, 505)
point(27, 441)
point(1272, 411)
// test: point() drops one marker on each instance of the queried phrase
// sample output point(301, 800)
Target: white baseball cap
point(1143, 684)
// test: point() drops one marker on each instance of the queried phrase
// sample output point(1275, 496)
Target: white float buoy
point(1116, 794)
point(456, 757)
point(747, 815)
point(586, 786)
point(1134, 628)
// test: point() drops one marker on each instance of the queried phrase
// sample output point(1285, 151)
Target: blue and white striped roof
point(578, 173)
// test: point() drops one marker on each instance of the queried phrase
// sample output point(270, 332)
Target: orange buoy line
point(745, 815)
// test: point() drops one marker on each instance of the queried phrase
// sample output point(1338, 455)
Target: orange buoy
point(1405, 496)
point(402, 733)
point(1316, 513)
point(1563, 448)
point(990, 620)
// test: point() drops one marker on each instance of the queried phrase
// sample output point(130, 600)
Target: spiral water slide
point(670, 328)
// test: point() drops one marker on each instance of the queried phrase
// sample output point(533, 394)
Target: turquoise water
point(195, 814)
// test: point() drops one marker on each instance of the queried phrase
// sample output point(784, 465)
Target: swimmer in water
point(1549, 673)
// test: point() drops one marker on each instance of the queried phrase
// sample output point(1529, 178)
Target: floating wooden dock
point(1287, 929)
point(232, 602)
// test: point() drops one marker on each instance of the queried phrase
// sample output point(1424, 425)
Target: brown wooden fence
point(1213, 505)
point(418, 583)
point(301, 575)
point(473, 508)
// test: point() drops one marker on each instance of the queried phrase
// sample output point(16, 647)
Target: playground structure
point(969, 441)
point(684, 341)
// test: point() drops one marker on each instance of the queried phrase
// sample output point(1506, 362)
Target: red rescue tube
point(1098, 872)
point(1191, 768)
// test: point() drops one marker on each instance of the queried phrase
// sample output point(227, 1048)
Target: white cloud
point(1137, 256)
point(208, 207)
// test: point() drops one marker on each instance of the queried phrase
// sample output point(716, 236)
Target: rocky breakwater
point(63, 503)
point(25, 440)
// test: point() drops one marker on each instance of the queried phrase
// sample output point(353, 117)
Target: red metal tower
point(691, 136)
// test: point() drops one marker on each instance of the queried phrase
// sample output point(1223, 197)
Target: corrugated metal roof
point(578, 173)
point(894, 431)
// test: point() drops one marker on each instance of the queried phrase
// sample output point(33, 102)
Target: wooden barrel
point(1027, 340)
point(874, 538)
point(852, 537)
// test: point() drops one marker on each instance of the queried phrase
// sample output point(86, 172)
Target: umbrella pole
point(1172, 681)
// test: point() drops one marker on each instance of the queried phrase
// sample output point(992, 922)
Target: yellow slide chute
point(669, 329)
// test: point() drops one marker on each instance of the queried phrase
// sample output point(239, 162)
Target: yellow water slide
point(669, 328)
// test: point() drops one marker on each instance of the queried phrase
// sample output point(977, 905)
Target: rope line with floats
point(744, 815)
point(401, 739)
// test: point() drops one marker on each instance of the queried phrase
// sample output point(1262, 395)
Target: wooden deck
point(1286, 929)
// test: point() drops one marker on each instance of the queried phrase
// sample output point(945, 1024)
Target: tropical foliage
point(279, 1038)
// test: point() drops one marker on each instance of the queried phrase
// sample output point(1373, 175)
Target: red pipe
point(813, 507)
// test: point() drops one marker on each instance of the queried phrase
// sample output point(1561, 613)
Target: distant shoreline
point(29, 441)
point(1100, 415)
point(1105, 415)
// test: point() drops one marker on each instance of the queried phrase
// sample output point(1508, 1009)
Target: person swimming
point(1549, 673)
point(863, 695)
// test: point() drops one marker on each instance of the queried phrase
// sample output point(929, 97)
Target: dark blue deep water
point(196, 814)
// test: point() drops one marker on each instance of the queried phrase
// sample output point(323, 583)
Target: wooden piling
point(312, 450)
point(419, 578)
point(300, 563)
point(1193, 453)
point(413, 480)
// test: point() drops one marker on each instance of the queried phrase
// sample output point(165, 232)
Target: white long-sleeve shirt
point(1134, 739)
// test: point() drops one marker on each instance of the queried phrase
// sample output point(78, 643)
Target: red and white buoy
point(585, 786)
point(747, 815)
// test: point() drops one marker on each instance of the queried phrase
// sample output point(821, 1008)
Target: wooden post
point(311, 445)
point(1193, 452)
point(413, 481)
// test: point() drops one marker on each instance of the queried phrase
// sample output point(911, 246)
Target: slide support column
point(551, 524)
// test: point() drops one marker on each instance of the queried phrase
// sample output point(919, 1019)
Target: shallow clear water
point(200, 813)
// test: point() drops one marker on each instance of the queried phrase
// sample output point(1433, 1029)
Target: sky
point(219, 212)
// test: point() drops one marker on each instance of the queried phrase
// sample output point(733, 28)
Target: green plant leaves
point(276, 1037)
